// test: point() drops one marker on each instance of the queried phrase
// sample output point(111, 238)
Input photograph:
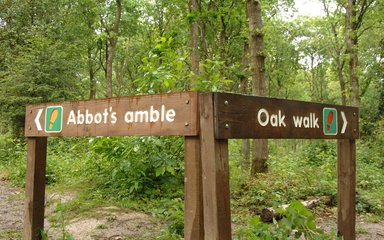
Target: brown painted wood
point(214, 155)
point(193, 191)
point(346, 188)
point(35, 188)
point(236, 116)
point(184, 123)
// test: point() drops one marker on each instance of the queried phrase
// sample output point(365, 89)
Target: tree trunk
point(92, 80)
point(340, 76)
point(351, 28)
point(194, 31)
point(112, 47)
point(246, 145)
point(336, 52)
point(256, 45)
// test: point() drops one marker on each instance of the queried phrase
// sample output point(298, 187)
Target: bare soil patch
point(365, 230)
point(110, 223)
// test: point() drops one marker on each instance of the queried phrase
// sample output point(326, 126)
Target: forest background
point(83, 49)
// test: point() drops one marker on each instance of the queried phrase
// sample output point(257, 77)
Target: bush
point(297, 223)
point(144, 167)
point(13, 158)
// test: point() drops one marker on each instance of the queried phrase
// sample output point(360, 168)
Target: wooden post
point(215, 171)
point(193, 191)
point(346, 188)
point(35, 188)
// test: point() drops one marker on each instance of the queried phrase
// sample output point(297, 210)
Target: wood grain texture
point(236, 116)
point(184, 123)
point(216, 194)
point(193, 191)
point(35, 188)
point(346, 188)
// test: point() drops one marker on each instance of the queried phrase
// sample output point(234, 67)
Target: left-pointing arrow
point(37, 120)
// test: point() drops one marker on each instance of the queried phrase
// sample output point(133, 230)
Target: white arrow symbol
point(345, 123)
point(37, 120)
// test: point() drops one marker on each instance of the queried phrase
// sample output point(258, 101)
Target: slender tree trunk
point(194, 31)
point(340, 76)
point(256, 46)
point(203, 34)
point(112, 47)
point(246, 145)
point(92, 80)
point(336, 52)
point(223, 40)
point(351, 43)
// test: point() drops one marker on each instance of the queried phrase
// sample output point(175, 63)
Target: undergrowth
point(147, 174)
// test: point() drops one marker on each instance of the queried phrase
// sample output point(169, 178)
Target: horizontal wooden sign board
point(148, 115)
point(239, 116)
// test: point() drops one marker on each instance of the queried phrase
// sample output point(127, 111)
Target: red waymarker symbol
point(329, 121)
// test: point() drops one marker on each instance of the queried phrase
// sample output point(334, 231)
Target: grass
point(11, 234)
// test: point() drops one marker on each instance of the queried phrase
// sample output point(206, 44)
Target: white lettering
point(274, 120)
point(154, 115)
point(259, 114)
point(105, 115)
point(310, 121)
point(315, 121)
point(113, 118)
point(71, 118)
point(170, 116)
point(80, 117)
point(281, 120)
point(297, 121)
point(143, 115)
point(128, 118)
point(88, 118)
point(98, 118)
point(306, 122)
point(162, 113)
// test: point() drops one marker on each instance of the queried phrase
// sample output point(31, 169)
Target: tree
point(37, 63)
point(194, 36)
point(337, 47)
point(111, 47)
point(354, 16)
point(256, 46)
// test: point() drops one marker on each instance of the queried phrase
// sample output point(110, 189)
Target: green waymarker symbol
point(330, 121)
point(53, 119)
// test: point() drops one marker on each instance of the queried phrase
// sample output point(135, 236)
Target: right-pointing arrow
point(37, 120)
point(345, 123)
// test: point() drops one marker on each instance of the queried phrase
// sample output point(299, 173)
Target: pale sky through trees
point(310, 8)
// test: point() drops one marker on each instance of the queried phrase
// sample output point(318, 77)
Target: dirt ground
point(110, 223)
point(113, 223)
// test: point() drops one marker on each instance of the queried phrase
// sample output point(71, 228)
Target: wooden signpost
point(207, 121)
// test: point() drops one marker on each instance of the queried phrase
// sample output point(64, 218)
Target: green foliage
point(36, 65)
point(211, 78)
point(297, 223)
point(172, 212)
point(163, 70)
point(66, 236)
point(138, 167)
point(370, 165)
point(12, 158)
point(296, 174)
